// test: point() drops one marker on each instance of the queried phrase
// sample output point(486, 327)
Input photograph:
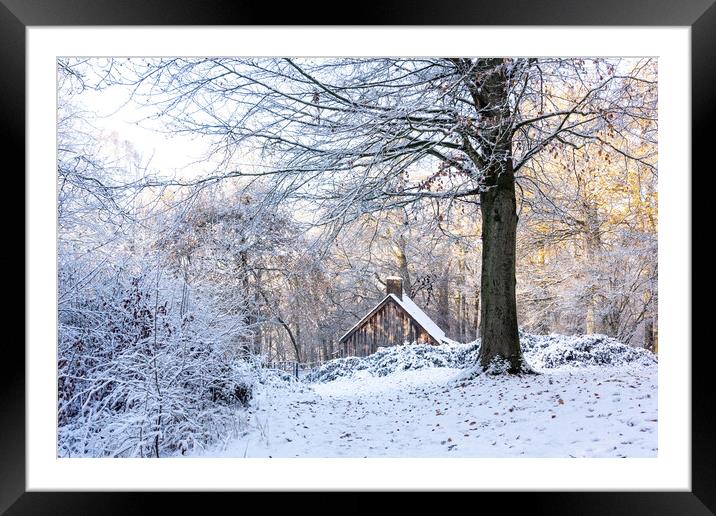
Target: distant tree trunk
point(460, 298)
point(593, 245)
point(589, 317)
point(476, 323)
point(498, 316)
point(184, 306)
point(297, 342)
point(249, 317)
point(460, 307)
point(269, 345)
point(402, 263)
point(444, 301)
point(257, 337)
point(325, 354)
point(649, 340)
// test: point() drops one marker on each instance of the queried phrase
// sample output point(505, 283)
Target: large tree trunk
point(476, 322)
point(498, 315)
point(500, 341)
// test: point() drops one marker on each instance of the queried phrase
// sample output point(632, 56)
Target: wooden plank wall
point(390, 325)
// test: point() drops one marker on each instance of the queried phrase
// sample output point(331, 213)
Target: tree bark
point(500, 341)
point(476, 324)
point(498, 311)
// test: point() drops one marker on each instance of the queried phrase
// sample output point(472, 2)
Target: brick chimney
point(394, 285)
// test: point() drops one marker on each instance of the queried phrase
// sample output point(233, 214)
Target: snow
point(407, 402)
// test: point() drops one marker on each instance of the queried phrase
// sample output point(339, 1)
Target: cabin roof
point(411, 309)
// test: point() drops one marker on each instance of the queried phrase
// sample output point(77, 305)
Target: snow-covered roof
point(413, 310)
point(420, 317)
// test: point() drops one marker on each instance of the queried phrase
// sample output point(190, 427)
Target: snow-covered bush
point(540, 351)
point(137, 378)
point(388, 360)
point(552, 351)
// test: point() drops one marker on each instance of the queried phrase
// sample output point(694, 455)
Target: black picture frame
point(700, 15)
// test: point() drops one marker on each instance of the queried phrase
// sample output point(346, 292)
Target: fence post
point(295, 368)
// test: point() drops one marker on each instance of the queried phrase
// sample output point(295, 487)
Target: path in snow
point(586, 412)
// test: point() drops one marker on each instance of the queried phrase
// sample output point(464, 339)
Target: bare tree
point(354, 136)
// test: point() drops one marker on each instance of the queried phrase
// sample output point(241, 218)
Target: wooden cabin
point(394, 321)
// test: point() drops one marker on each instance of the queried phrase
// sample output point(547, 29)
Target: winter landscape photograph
point(344, 257)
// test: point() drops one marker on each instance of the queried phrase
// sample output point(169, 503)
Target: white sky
point(170, 154)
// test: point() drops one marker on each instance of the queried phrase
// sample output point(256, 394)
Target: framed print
point(139, 383)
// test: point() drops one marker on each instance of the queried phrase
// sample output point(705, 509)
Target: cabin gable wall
point(389, 325)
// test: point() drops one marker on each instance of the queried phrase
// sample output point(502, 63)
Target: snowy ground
point(433, 411)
